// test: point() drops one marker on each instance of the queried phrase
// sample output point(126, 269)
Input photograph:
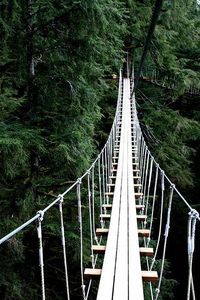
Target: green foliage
point(57, 102)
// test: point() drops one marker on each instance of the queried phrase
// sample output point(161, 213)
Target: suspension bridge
point(125, 186)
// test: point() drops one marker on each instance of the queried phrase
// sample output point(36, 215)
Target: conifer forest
point(59, 66)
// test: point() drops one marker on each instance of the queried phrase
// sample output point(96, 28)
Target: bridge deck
point(121, 276)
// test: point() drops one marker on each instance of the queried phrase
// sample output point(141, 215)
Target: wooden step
point(107, 206)
point(137, 184)
point(141, 217)
point(136, 177)
point(110, 184)
point(136, 170)
point(146, 251)
point(108, 216)
point(92, 273)
point(140, 206)
point(141, 232)
point(109, 193)
point(102, 231)
point(144, 232)
point(115, 157)
point(147, 276)
point(138, 195)
point(98, 249)
point(105, 216)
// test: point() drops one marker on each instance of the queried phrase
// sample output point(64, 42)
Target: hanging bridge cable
point(41, 256)
point(90, 217)
point(153, 204)
point(161, 217)
point(64, 245)
point(152, 25)
point(93, 205)
point(141, 155)
point(81, 235)
point(166, 234)
point(149, 186)
point(193, 215)
point(100, 191)
point(145, 177)
point(144, 167)
point(106, 174)
point(103, 178)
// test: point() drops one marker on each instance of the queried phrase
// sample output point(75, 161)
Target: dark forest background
point(57, 103)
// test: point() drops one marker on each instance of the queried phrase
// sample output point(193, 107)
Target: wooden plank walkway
point(121, 276)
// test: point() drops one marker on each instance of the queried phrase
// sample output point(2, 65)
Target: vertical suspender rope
point(81, 235)
point(93, 206)
point(64, 245)
point(90, 217)
point(153, 203)
point(145, 178)
point(149, 185)
point(41, 258)
point(193, 215)
point(165, 240)
point(103, 177)
point(161, 215)
point(144, 156)
point(106, 172)
point(100, 190)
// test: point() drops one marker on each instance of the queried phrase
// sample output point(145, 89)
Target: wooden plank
point(105, 216)
point(109, 193)
point(102, 231)
point(146, 251)
point(140, 206)
point(107, 206)
point(149, 276)
point(99, 249)
point(92, 273)
point(144, 232)
point(138, 194)
point(141, 217)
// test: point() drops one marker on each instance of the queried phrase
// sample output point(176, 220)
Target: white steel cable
point(145, 178)
point(90, 219)
point(81, 235)
point(93, 207)
point(165, 241)
point(41, 257)
point(161, 217)
point(103, 177)
point(64, 245)
point(100, 192)
point(149, 185)
point(153, 204)
point(193, 215)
